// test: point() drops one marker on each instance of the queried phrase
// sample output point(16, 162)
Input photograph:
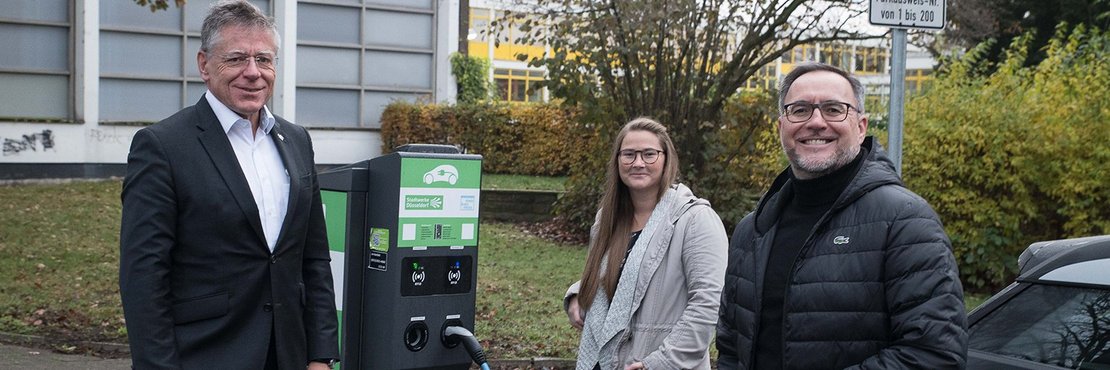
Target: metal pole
point(897, 92)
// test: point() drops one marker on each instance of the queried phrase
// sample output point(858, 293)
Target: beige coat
point(677, 291)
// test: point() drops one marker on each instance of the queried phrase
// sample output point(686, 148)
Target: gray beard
point(816, 168)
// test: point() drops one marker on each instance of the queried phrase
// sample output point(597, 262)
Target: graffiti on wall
point(108, 137)
point(36, 142)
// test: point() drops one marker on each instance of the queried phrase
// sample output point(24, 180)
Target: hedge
point(525, 139)
point(1017, 156)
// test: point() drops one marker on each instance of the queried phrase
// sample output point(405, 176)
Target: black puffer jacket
point(874, 287)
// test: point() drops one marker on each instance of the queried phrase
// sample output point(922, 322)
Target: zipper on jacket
point(790, 277)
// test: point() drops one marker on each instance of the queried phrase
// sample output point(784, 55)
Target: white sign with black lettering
point(908, 13)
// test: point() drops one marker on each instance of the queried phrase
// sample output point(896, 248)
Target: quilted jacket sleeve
point(923, 294)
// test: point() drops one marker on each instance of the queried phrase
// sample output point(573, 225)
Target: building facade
point(79, 77)
point(514, 79)
point(867, 59)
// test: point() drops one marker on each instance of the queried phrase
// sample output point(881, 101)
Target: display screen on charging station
point(438, 202)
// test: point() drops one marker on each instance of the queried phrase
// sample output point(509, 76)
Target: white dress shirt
point(261, 164)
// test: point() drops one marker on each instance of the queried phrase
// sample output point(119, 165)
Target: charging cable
point(456, 334)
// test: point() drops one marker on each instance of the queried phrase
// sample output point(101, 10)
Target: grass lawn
point(59, 261)
point(521, 182)
point(521, 282)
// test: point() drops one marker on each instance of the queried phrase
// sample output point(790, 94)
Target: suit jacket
point(199, 284)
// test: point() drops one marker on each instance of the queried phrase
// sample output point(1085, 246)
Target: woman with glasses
point(649, 293)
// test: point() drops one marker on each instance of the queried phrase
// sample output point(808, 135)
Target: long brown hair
point(615, 220)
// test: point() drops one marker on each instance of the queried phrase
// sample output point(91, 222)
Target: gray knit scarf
point(606, 322)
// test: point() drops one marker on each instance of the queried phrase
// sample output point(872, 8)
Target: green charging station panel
point(403, 230)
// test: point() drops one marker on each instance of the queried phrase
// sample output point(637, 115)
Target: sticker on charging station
point(379, 249)
point(438, 202)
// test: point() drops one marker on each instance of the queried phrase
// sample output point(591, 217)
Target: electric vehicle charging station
point(403, 230)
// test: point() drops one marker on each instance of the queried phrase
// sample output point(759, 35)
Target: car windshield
point(1057, 325)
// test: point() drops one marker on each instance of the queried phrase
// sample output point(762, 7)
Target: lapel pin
point(282, 138)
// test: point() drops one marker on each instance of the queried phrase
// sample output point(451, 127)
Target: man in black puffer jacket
point(840, 266)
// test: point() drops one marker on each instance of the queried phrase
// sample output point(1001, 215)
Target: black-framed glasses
point(649, 156)
point(831, 111)
point(236, 60)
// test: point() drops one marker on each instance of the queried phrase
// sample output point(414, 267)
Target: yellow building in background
point(516, 81)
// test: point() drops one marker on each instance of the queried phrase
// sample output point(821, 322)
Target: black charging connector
point(453, 341)
point(453, 335)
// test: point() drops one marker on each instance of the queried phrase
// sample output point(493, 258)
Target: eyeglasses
point(831, 111)
point(649, 156)
point(263, 61)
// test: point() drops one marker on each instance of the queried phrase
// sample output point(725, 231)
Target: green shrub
point(1016, 156)
point(742, 158)
point(405, 123)
point(525, 139)
point(471, 74)
point(586, 175)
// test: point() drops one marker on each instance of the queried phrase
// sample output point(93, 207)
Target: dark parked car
point(1055, 316)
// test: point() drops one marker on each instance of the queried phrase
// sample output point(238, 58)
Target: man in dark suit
point(224, 261)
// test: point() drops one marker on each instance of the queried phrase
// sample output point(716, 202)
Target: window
point(148, 67)
point(518, 85)
point(859, 57)
point(35, 81)
point(917, 80)
point(765, 78)
point(1057, 325)
point(870, 60)
point(838, 55)
point(479, 25)
point(359, 56)
point(478, 44)
point(799, 54)
point(508, 44)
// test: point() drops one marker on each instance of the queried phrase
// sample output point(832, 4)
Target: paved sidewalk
point(27, 358)
point(19, 357)
point(32, 352)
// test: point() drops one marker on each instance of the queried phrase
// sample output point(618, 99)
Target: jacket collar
point(228, 118)
point(876, 170)
point(684, 200)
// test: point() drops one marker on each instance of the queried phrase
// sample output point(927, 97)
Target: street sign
point(900, 15)
point(908, 13)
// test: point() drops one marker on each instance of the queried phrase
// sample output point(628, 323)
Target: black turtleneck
point(809, 200)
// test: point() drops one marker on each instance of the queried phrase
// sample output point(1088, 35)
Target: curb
point(544, 363)
point(99, 349)
point(118, 350)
